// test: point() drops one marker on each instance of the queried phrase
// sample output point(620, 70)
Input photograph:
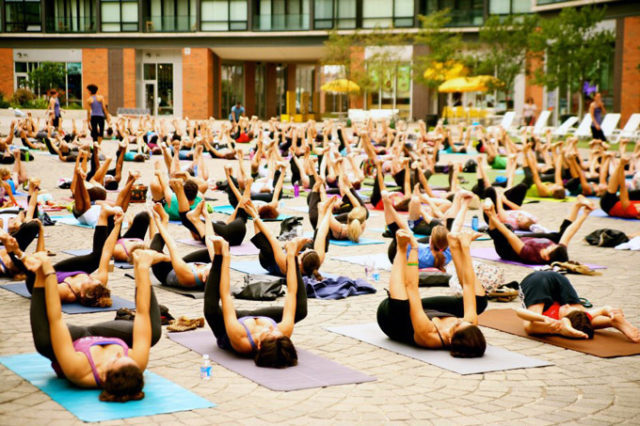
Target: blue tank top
point(56, 108)
point(597, 114)
point(241, 320)
point(96, 107)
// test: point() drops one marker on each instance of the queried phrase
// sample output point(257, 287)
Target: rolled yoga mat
point(494, 359)
point(312, 371)
point(73, 308)
point(605, 343)
point(161, 396)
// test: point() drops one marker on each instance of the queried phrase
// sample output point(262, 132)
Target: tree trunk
point(580, 99)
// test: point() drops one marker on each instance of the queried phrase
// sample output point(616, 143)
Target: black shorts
point(547, 287)
point(56, 121)
point(97, 127)
point(608, 200)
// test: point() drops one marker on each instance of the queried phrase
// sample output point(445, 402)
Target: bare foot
point(403, 238)
point(162, 214)
point(620, 322)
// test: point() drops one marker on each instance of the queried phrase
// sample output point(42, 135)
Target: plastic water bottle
point(376, 273)
point(296, 190)
point(205, 368)
point(474, 223)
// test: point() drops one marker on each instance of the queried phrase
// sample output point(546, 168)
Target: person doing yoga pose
point(264, 333)
point(434, 322)
point(110, 355)
point(552, 306)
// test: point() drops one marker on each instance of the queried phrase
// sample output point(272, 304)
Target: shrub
point(23, 97)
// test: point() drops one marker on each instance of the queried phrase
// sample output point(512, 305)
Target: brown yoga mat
point(605, 343)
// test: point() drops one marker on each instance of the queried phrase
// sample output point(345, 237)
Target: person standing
point(597, 111)
point(237, 111)
point(96, 113)
point(529, 112)
point(54, 108)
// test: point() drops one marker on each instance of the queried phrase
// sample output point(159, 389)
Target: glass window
point(21, 66)
point(223, 15)
point(376, 13)
point(67, 79)
point(22, 15)
point(464, 13)
point(232, 76)
point(171, 15)
point(520, 6)
point(500, 7)
point(149, 71)
point(281, 15)
point(119, 15)
point(71, 16)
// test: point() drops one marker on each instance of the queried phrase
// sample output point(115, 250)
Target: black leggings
point(393, 245)
point(394, 317)
point(266, 256)
point(608, 200)
point(97, 127)
point(137, 228)
point(233, 231)
point(504, 249)
point(265, 196)
point(162, 269)
point(213, 310)
point(598, 134)
point(115, 328)
point(515, 194)
point(26, 233)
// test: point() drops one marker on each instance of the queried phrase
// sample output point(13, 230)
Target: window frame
point(120, 22)
point(23, 24)
point(231, 24)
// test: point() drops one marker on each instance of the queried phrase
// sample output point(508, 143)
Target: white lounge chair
point(584, 129)
point(564, 129)
point(357, 115)
point(609, 123)
point(507, 120)
point(630, 130)
point(541, 123)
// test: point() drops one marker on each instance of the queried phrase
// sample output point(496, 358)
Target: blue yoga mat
point(602, 213)
point(161, 395)
point(72, 308)
point(228, 210)
point(82, 252)
point(70, 220)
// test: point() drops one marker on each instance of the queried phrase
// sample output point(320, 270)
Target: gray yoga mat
point(73, 308)
point(194, 294)
point(312, 371)
point(82, 252)
point(494, 359)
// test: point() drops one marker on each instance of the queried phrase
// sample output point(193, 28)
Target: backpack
point(260, 287)
point(606, 237)
point(470, 166)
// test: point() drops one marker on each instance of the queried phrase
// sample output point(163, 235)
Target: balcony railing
point(169, 24)
point(78, 24)
point(280, 22)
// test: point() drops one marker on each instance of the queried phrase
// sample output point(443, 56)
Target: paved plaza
point(578, 388)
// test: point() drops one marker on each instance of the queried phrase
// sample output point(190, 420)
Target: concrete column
point(270, 88)
point(216, 76)
point(420, 99)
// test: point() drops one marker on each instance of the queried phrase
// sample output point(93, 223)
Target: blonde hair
point(355, 223)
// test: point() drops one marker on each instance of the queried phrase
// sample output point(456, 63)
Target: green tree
point(505, 42)
point(443, 46)
point(575, 50)
point(47, 76)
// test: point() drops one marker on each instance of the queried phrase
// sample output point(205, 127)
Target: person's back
point(96, 107)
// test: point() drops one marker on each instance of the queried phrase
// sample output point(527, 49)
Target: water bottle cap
point(205, 356)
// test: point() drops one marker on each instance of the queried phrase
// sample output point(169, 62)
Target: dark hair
point(97, 193)
point(92, 88)
point(559, 194)
point(278, 352)
point(191, 189)
point(53, 92)
point(268, 212)
point(99, 295)
point(122, 385)
point(139, 158)
point(580, 321)
point(310, 264)
point(559, 254)
point(439, 243)
point(468, 342)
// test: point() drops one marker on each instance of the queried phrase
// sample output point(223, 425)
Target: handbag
point(260, 287)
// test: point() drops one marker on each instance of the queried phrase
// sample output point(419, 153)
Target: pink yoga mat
point(489, 253)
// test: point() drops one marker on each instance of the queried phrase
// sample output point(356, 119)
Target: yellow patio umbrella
point(340, 85)
point(445, 71)
point(467, 84)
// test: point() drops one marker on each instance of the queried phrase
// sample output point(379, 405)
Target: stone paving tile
point(578, 389)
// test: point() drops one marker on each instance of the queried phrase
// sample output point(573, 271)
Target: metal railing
point(169, 23)
point(280, 22)
point(78, 24)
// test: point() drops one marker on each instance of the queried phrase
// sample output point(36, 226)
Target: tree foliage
point(47, 76)
point(576, 49)
point(505, 42)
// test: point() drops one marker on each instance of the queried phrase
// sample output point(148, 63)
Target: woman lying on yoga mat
point(233, 230)
point(133, 239)
point(627, 204)
point(351, 222)
point(264, 333)
point(190, 271)
point(536, 248)
point(434, 322)
point(433, 250)
point(553, 307)
point(110, 355)
point(84, 278)
point(261, 191)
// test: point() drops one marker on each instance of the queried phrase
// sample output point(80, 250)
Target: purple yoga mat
point(244, 249)
point(312, 371)
point(489, 253)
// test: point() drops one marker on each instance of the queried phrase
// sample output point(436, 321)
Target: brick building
point(195, 58)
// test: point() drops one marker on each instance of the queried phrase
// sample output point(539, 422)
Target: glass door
point(150, 96)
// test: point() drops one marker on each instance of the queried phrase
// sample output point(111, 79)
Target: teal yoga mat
point(70, 220)
point(228, 209)
point(161, 395)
